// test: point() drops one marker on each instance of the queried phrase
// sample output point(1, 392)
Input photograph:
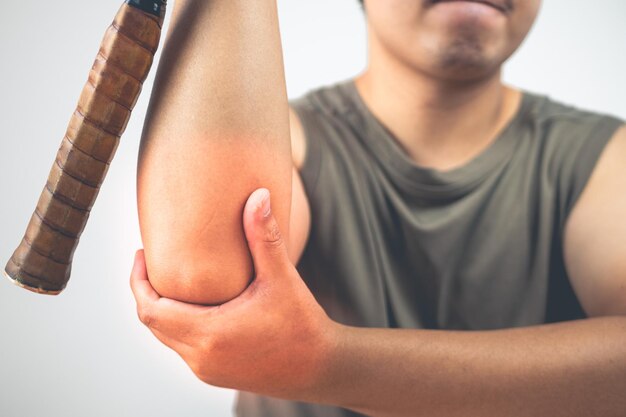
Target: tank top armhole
point(311, 165)
point(578, 170)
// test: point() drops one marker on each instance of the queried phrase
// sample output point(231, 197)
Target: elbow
point(204, 279)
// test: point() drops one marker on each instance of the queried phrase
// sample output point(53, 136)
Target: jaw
point(452, 40)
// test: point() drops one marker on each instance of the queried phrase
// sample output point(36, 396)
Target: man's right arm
point(217, 129)
point(300, 221)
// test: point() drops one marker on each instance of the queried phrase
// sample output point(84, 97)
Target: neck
point(440, 124)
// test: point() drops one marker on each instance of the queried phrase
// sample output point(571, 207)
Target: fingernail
point(266, 208)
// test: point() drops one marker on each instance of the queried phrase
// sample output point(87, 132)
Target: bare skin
point(217, 128)
point(434, 72)
point(442, 119)
point(276, 340)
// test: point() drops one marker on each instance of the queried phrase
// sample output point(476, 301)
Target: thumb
point(269, 252)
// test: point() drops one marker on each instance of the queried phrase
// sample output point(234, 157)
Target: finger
point(176, 345)
point(139, 283)
point(173, 319)
point(268, 249)
point(177, 320)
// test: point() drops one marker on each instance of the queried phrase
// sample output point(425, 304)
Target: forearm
point(217, 128)
point(567, 369)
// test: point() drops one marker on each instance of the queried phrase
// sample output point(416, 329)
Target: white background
point(84, 353)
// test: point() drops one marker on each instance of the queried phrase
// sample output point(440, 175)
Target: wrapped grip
point(43, 260)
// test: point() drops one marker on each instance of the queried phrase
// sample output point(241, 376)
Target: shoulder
point(556, 120)
point(329, 100)
point(585, 157)
point(308, 120)
point(312, 114)
point(595, 234)
point(568, 141)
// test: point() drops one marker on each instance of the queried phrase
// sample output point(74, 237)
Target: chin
point(463, 54)
point(464, 62)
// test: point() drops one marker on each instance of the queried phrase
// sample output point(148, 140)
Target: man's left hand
point(273, 339)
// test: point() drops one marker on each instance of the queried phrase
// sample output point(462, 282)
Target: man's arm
point(217, 128)
point(300, 221)
point(575, 369)
point(275, 340)
point(595, 235)
point(570, 369)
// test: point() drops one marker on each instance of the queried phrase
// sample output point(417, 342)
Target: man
point(428, 199)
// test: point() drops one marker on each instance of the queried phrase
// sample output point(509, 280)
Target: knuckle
point(146, 315)
point(206, 346)
point(198, 369)
point(201, 368)
point(273, 236)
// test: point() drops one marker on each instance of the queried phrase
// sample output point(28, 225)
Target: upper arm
point(595, 235)
point(300, 217)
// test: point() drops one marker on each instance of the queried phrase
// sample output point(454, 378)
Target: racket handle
point(43, 261)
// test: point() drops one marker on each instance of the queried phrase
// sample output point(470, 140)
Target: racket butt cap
point(19, 283)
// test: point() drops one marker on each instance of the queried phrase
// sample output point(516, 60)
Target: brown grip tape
point(43, 260)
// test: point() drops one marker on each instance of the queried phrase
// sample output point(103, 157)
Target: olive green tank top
point(397, 245)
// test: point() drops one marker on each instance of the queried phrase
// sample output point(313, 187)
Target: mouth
point(504, 6)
